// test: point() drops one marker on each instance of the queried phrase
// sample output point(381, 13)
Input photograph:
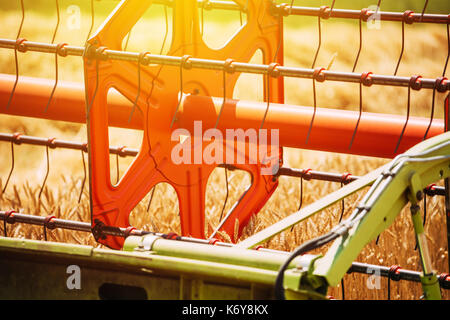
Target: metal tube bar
point(401, 274)
point(344, 178)
point(356, 14)
point(287, 10)
point(238, 66)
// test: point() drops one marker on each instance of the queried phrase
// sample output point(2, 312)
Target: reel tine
point(342, 206)
point(437, 86)
point(92, 20)
point(84, 173)
point(332, 7)
point(226, 196)
point(59, 48)
point(17, 137)
point(49, 143)
point(317, 76)
point(367, 81)
point(407, 119)
point(141, 61)
point(117, 169)
point(271, 72)
point(415, 84)
point(167, 30)
point(151, 199)
point(378, 7)
point(119, 154)
point(61, 51)
point(18, 44)
point(184, 64)
point(148, 208)
point(448, 54)
point(301, 194)
point(403, 48)
point(57, 21)
point(290, 7)
point(128, 40)
point(424, 9)
point(363, 15)
point(98, 52)
point(320, 37)
point(228, 67)
point(408, 19)
point(314, 112)
point(305, 175)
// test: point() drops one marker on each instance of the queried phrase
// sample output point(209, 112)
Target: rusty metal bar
point(306, 174)
point(356, 14)
point(55, 143)
point(326, 75)
point(286, 10)
point(50, 223)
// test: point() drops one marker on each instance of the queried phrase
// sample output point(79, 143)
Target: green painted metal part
point(328, 200)
point(31, 269)
point(383, 203)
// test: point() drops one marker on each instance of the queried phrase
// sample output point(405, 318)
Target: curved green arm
point(384, 202)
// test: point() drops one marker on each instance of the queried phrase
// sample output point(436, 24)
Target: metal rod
point(332, 12)
point(401, 274)
point(356, 14)
point(209, 64)
point(305, 174)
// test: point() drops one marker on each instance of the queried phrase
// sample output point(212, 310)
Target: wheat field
point(425, 54)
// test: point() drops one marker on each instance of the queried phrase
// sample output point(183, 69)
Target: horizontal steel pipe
point(332, 131)
point(356, 14)
point(441, 84)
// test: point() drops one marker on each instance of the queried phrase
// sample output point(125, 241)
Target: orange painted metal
point(377, 134)
point(157, 101)
point(68, 103)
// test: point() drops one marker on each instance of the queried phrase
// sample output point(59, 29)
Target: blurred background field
point(425, 53)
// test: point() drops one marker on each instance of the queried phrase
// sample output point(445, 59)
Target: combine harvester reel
point(157, 100)
point(191, 86)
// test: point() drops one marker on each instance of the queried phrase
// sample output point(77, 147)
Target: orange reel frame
point(157, 100)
